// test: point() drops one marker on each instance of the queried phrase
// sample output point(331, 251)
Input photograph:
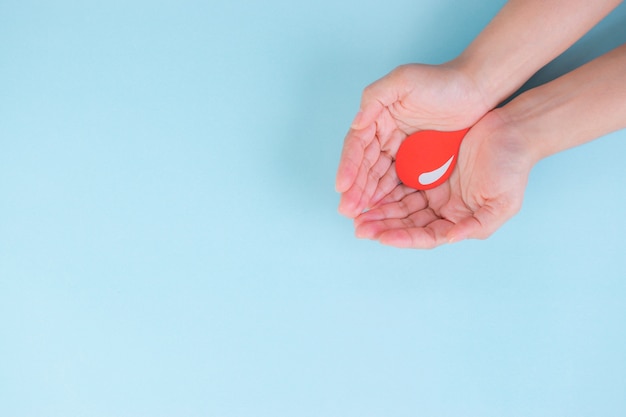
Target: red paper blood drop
point(426, 158)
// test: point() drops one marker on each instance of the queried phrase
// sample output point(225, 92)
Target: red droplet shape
point(426, 158)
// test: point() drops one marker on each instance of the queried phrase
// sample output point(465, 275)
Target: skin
point(410, 98)
point(496, 156)
point(485, 189)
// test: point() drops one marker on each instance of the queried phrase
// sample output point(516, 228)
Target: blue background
point(170, 246)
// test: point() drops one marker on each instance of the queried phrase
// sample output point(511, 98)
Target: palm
point(484, 191)
point(412, 98)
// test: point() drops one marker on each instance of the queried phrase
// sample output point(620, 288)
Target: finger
point(354, 201)
point(482, 224)
point(390, 178)
point(354, 146)
point(375, 229)
point(396, 194)
point(374, 176)
point(431, 236)
point(387, 183)
point(412, 203)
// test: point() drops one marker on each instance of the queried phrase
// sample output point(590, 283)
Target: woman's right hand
point(410, 98)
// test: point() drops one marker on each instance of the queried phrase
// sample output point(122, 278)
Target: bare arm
point(487, 187)
point(578, 107)
point(523, 37)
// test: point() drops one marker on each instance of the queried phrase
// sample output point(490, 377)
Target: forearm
point(578, 107)
point(523, 37)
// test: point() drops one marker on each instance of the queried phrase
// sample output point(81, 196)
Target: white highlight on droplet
point(428, 178)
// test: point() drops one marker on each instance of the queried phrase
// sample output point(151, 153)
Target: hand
point(484, 191)
point(410, 98)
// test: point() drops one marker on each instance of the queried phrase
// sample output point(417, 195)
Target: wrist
point(493, 82)
point(513, 134)
point(576, 108)
point(469, 69)
point(476, 99)
point(523, 119)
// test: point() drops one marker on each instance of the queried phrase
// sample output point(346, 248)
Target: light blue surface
point(169, 242)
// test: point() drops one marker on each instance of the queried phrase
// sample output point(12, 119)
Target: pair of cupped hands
point(485, 189)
